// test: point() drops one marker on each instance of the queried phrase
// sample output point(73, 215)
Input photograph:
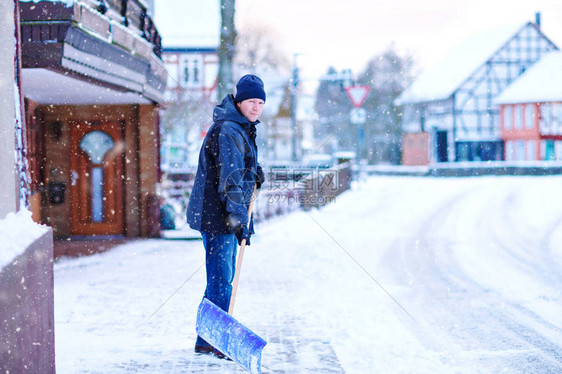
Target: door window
point(96, 144)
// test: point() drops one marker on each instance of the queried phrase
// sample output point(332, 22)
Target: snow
point(67, 3)
point(541, 83)
point(17, 231)
point(441, 81)
point(399, 275)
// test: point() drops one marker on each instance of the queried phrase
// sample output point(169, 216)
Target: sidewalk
point(299, 290)
point(105, 305)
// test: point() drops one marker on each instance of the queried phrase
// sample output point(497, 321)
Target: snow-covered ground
point(400, 275)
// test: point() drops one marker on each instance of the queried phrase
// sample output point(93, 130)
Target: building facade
point(531, 112)
point(190, 31)
point(453, 103)
point(190, 97)
point(93, 79)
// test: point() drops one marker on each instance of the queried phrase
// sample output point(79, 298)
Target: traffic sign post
point(358, 116)
point(357, 94)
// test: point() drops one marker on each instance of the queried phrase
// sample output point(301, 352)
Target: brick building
point(531, 112)
point(92, 80)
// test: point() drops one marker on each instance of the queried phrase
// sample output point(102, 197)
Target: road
point(483, 281)
point(399, 275)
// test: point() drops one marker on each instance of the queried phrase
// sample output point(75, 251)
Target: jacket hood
point(227, 111)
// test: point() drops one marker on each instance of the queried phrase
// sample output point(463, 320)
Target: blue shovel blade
point(229, 336)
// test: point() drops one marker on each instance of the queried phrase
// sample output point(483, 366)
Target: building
point(449, 114)
point(192, 73)
point(93, 79)
point(531, 112)
point(190, 53)
point(26, 251)
point(190, 97)
point(276, 130)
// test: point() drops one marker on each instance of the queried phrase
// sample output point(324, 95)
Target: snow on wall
point(67, 3)
point(17, 231)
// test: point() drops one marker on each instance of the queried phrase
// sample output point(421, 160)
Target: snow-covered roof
point(441, 82)
point(188, 23)
point(541, 83)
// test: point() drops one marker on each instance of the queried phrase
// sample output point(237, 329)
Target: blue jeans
point(220, 259)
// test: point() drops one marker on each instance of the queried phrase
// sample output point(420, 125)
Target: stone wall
point(27, 339)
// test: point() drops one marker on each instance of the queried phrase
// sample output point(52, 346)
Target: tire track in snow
point(461, 316)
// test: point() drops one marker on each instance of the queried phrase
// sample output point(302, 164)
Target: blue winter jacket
point(226, 172)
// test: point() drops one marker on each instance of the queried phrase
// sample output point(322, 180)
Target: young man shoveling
point(227, 172)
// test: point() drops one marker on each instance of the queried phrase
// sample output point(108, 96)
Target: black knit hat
point(249, 87)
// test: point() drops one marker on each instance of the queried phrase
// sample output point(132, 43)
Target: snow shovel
point(224, 332)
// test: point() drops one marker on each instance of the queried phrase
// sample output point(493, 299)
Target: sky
point(346, 34)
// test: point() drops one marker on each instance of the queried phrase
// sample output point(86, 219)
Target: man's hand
point(242, 232)
point(260, 177)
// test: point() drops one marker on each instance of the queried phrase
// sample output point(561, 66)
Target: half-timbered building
point(449, 113)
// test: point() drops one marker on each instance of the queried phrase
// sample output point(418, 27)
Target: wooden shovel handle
point(240, 257)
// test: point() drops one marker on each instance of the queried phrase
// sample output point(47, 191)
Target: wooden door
point(97, 178)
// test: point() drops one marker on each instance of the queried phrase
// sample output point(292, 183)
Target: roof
point(541, 83)
point(188, 23)
point(443, 80)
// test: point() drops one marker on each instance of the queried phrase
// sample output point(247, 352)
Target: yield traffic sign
point(357, 94)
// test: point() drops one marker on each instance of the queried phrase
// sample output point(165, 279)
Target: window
point(97, 144)
point(557, 118)
point(195, 71)
point(558, 150)
point(530, 116)
point(509, 156)
point(507, 117)
point(531, 150)
point(185, 72)
point(519, 117)
point(520, 150)
point(547, 150)
point(545, 119)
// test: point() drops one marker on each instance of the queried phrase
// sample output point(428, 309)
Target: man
point(227, 172)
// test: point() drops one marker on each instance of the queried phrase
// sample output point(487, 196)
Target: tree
point(333, 108)
point(185, 114)
point(388, 74)
point(226, 49)
point(257, 51)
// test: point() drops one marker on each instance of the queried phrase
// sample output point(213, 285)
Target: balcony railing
point(118, 21)
point(132, 14)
